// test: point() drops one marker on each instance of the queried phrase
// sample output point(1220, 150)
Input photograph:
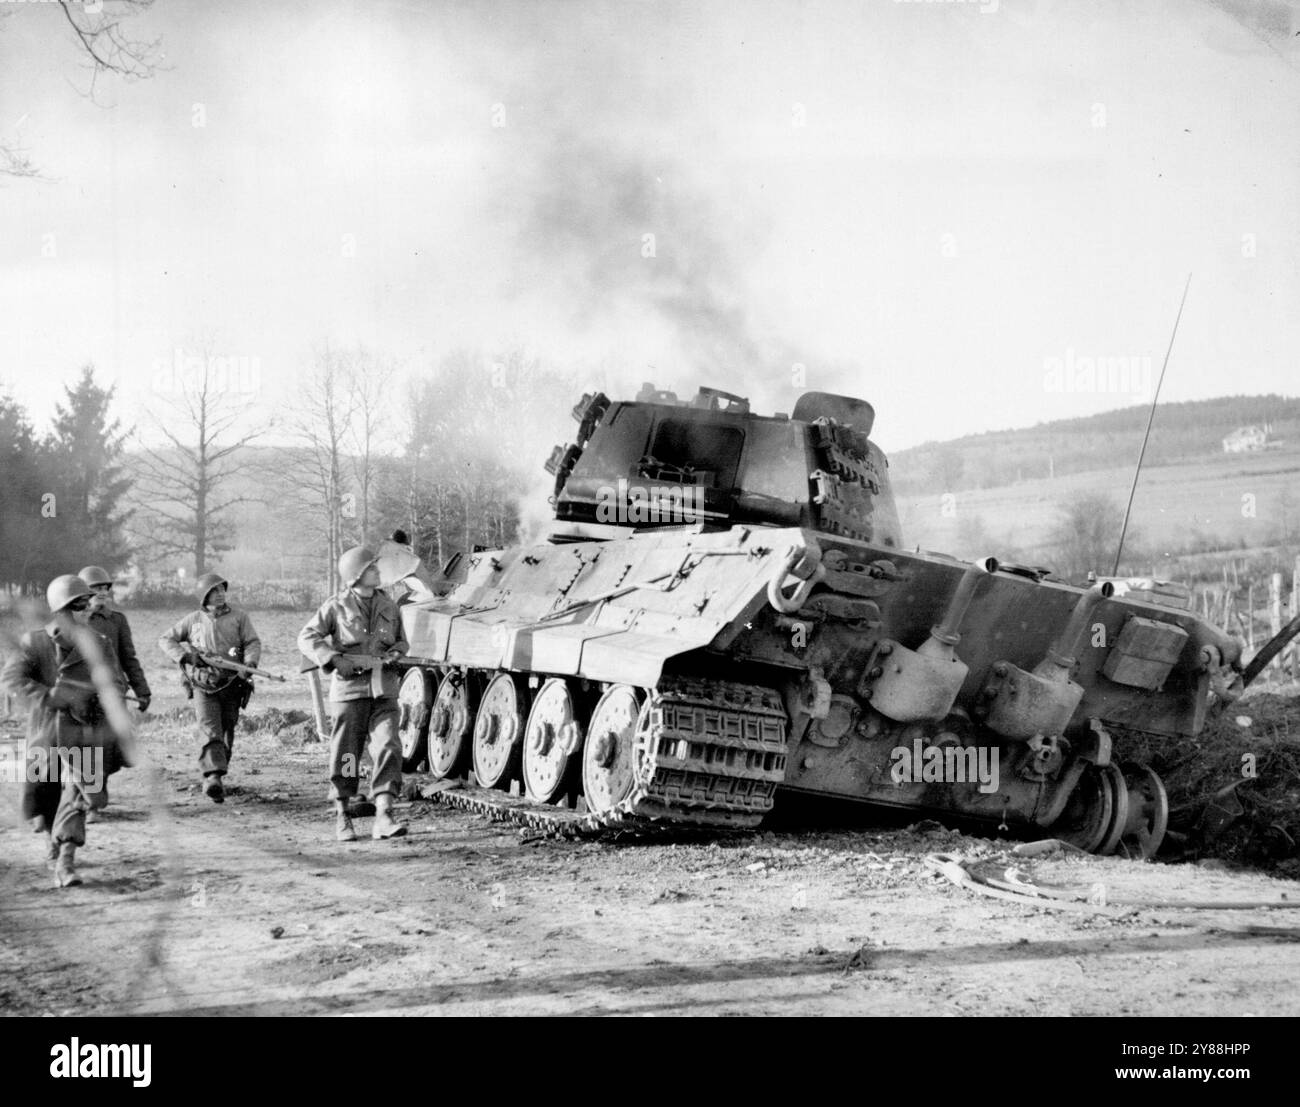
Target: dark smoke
point(584, 224)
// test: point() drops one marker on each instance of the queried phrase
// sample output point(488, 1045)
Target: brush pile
point(1234, 791)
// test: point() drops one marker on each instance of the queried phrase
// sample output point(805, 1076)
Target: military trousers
point(73, 784)
point(358, 723)
point(216, 714)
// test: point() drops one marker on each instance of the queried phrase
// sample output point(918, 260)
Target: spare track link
point(712, 758)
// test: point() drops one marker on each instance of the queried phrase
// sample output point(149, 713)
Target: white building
point(1245, 439)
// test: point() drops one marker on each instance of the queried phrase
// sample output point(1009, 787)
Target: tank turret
point(711, 463)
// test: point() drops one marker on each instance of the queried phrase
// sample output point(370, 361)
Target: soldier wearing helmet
point(216, 628)
point(357, 636)
point(68, 739)
point(106, 620)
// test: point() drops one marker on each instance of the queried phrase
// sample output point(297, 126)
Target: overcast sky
point(921, 203)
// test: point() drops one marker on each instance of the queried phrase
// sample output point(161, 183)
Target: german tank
point(723, 612)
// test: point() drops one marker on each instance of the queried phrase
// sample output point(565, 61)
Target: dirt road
point(251, 907)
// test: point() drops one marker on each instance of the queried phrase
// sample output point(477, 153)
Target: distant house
point(1245, 439)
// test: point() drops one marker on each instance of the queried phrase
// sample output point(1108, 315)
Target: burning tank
point(723, 613)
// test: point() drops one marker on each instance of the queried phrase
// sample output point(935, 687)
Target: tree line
point(62, 497)
point(451, 456)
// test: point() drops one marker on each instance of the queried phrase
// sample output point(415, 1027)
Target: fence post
point(1294, 650)
point(1250, 617)
point(1275, 614)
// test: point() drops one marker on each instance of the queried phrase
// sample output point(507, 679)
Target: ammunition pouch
point(207, 678)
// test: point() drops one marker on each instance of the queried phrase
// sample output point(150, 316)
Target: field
point(1247, 500)
point(252, 908)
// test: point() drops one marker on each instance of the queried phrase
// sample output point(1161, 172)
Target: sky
point(949, 209)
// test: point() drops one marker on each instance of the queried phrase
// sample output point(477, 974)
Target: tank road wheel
point(551, 740)
point(1148, 812)
point(609, 758)
point(1119, 810)
point(414, 701)
point(450, 724)
point(498, 730)
point(1088, 811)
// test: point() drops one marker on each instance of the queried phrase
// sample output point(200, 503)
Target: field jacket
point(112, 625)
point(46, 658)
point(231, 629)
point(341, 626)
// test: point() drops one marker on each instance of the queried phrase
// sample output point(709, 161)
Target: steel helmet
point(63, 590)
point(354, 562)
point(207, 582)
point(95, 574)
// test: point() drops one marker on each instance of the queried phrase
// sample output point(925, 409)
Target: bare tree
point(322, 422)
point(1086, 534)
point(425, 492)
point(370, 379)
point(186, 486)
point(103, 40)
point(476, 432)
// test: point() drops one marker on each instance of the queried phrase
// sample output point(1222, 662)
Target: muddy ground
point(251, 907)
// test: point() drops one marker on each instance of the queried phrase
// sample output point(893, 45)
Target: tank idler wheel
point(552, 740)
point(451, 724)
point(414, 702)
point(609, 757)
point(1118, 811)
point(498, 730)
point(1087, 814)
point(1148, 812)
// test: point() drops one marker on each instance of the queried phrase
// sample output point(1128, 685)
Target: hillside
point(1182, 432)
point(1002, 492)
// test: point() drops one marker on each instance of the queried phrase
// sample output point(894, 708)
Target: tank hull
point(762, 659)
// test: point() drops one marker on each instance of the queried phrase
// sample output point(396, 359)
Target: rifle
point(216, 661)
point(376, 665)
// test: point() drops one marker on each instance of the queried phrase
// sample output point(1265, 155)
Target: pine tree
point(23, 531)
point(84, 448)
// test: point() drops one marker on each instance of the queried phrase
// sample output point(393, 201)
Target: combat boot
point(51, 852)
point(343, 829)
point(385, 826)
point(212, 788)
point(65, 868)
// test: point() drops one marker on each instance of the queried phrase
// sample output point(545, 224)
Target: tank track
point(712, 758)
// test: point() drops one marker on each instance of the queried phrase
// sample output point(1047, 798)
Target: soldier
point(216, 629)
point(357, 635)
point(68, 739)
point(107, 621)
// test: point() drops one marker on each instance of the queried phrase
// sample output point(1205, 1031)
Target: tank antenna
point(1123, 530)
